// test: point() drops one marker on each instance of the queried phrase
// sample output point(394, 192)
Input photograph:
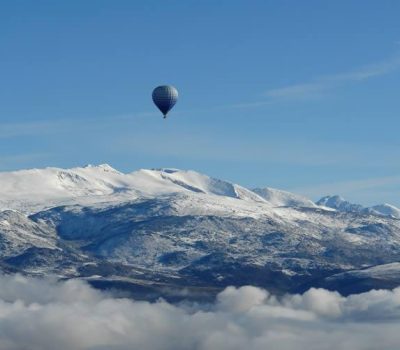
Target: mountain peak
point(331, 199)
point(104, 167)
point(339, 203)
point(387, 210)
point(279, 198)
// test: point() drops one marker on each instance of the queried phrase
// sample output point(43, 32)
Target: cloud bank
point(45, 314)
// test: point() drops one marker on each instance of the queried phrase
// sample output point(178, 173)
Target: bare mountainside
point(171, 232)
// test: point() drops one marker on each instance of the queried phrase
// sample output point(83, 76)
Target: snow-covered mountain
point(279, 198)
point(386, 209)
point(159, 230)
point(385, 276)
point(33, 190)
point(338, 203)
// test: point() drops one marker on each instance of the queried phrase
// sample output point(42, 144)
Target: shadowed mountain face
point(154, 232)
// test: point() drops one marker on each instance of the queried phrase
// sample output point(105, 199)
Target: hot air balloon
point(165, 97)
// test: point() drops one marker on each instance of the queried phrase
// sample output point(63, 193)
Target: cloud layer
point(45, 314)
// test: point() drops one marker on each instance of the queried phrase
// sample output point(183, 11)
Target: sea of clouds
point(46, 314)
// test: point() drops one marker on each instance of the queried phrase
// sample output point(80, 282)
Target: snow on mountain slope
point(383, 276)
point(279, 198)
point(33, 190)
point(385, 271)
point(17, 233)
point(197, 182)
point(36, 189)
point(386, 209)
point(338, 203)
point(194, 238)
point(169, 224)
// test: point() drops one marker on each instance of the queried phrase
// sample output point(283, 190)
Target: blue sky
point(298, 95)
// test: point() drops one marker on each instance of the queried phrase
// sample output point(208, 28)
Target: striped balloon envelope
point(165, 97)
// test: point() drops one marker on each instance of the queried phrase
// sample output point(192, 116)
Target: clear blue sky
point(298, 95)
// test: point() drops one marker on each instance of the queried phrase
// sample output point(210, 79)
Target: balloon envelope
point(165, 97)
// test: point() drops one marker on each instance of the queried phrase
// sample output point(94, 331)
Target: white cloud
point(45, 314)
point(318, 86)
point(298, 91)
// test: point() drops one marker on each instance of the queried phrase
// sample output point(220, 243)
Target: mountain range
point(174, 233)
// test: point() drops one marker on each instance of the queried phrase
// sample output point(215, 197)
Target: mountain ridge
point(63, 185)
point(339, 203)
point(167, 229)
